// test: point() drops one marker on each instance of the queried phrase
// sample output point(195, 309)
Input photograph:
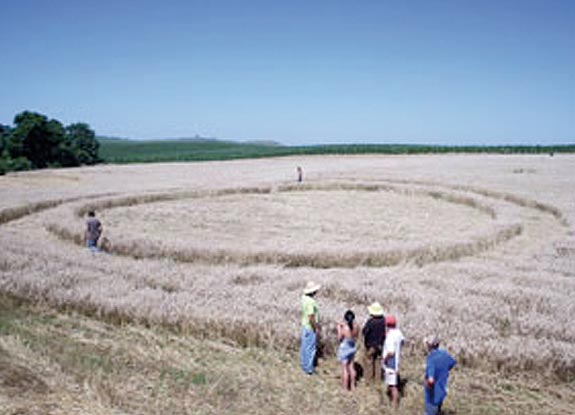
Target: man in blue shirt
point(437, 367)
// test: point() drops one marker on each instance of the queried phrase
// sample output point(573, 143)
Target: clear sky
point(298, 72)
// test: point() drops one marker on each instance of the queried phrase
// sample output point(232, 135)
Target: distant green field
point(136, 151)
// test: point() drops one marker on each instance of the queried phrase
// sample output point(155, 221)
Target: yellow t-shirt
point(308, 307)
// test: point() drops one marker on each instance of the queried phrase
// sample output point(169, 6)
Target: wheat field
point(480, 248)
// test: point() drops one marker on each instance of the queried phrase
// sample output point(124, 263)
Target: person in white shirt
point(391, 355)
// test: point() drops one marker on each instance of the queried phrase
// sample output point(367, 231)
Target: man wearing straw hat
point(373, 338)
point(309, 327)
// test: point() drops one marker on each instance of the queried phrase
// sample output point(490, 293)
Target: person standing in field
point(347, 332)
point(391, 355)
point(299, 174)
point(437, 367)
point(373, 337)
point(309, 327)
point(93, 231)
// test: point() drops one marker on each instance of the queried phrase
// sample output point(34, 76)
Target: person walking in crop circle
point(310, 328)
point(93, 232)
point(299, 174)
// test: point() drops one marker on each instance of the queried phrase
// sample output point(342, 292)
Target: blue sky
point(298, 72)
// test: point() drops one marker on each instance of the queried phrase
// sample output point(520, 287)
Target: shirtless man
point(347, 332)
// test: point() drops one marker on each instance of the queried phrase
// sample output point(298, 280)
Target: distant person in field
point(310, 328)
point(299, 174)
point(347, 332)
point(437, 367)
point(373, 337)
point(93, 232)
point(391, 356)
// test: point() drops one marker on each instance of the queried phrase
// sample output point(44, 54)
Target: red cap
point(390, 320)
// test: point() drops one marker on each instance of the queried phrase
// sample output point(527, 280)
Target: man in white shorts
point(390, 358)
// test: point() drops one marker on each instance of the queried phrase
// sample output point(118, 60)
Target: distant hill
point(264, 142)
point(164, 139)
point(106, 138)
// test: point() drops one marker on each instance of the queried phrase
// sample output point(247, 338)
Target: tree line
point(36, 142)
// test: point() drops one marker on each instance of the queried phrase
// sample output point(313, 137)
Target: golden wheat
point(492, 267)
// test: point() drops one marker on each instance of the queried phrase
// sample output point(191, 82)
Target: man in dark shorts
point(373, 338)
point(93, 232)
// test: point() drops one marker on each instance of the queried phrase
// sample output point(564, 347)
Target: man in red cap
point(390, 356)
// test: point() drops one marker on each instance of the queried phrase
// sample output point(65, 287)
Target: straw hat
point(311, 287)
point(375, 309)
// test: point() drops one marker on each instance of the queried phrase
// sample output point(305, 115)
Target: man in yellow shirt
point(309, 327)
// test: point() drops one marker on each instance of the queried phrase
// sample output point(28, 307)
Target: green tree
point(37, 139)
point(82, 140)
point(4, 135)
point(3, 144)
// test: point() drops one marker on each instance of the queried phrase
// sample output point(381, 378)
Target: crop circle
point(306, 221)
point(333, 225)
